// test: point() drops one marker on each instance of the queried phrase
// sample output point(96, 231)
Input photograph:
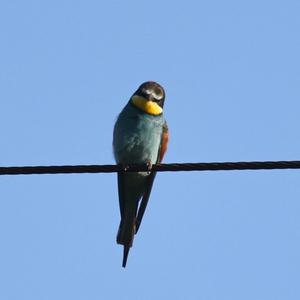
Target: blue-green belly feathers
point(137, 136)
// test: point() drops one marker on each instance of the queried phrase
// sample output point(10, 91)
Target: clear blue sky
point(231, 71)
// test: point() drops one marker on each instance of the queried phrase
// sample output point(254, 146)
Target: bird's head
point(149, 97)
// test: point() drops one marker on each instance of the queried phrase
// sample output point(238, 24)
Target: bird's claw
point(125, 168)
point(149, 167)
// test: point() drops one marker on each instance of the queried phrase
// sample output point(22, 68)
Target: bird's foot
point(149, 167)
point(124, 167)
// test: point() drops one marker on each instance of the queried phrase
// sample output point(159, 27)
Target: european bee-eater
point(140, 137)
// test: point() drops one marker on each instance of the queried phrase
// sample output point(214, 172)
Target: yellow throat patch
point(149, 107)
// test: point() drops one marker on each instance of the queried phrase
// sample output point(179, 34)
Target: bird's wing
point(121, 180)
point(150, 178)
point(164, 142)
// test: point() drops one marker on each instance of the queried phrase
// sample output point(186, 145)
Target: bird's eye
point(146, 91)
point(158, 94)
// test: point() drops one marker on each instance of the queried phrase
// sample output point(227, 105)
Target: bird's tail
point(126, 234)
point(125, 255)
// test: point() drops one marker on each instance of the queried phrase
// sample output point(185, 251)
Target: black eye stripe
point(150, 89)
point(156, 92)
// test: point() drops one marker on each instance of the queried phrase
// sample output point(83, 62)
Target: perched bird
point(140, 137)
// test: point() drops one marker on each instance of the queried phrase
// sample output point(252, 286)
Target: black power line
point(173, 167)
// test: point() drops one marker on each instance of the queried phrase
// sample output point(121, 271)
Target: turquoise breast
point(137, 136)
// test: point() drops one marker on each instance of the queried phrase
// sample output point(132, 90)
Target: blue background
point(231, 71)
